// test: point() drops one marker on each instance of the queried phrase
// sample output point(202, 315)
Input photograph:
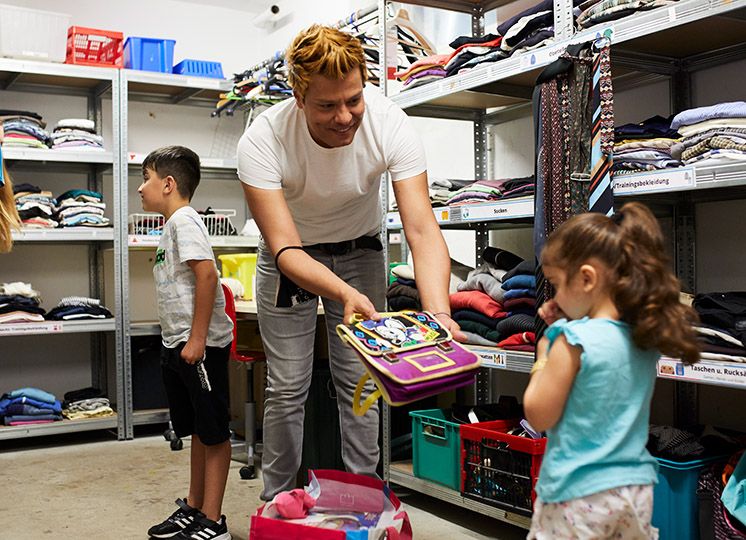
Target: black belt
point(345, 246)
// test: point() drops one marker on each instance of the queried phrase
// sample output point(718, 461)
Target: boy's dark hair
point(179, 162)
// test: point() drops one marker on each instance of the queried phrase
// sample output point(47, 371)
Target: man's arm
point(206, 279)
point(272, 215)
point(431, 259)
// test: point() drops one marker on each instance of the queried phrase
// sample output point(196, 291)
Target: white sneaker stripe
point(206, 534)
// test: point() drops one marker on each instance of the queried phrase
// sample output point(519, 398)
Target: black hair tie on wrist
point(283, 250)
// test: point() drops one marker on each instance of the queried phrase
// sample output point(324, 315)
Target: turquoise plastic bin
point(675, 510)
point(436, 448)
point(149, 54)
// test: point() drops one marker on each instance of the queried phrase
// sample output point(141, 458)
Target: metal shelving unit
point(646, 48)
point(164, 88)
point(93, 84)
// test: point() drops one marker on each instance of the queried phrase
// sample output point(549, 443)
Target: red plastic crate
point(500, 469)
point(93, 47)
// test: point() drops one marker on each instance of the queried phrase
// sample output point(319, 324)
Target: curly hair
point(646, 293)
point(326, 51)
point(9, 218)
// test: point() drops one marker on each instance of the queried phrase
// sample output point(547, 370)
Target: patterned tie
point(601, 195)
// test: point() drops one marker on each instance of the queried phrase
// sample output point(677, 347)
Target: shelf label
point(516, 208)
point(30, 328)
point(144, 240)
point(672, 13)
point(494, 358)
point(442, 215)
point(664, 180)
point(733, 374)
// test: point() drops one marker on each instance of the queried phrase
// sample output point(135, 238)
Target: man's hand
point(357, 303)
point(452, 327)
point(551, 312)
point(193, 351)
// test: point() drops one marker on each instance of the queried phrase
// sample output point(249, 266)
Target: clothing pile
point(29, 406)
point(19, 303)
point(496, 304)
point(74, 308)
point(35, 206)
point(646, 146)
point(423, 71)
point(23, 129)
point(722, 328)
point(599, 11)
point(712, 135)
point(76, 134)
point(81, 208)
point(483, 191)
point(86, 403)
point(402, 292)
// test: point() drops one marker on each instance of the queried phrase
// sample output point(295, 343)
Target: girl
point(616, 309)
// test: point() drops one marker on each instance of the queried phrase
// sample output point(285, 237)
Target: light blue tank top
point(599, 443)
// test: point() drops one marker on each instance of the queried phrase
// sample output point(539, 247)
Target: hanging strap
point(358, 407)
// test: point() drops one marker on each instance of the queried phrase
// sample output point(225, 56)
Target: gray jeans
point(288, 337)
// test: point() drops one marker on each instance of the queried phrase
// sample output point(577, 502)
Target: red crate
point(92, 47)
point(500, 469)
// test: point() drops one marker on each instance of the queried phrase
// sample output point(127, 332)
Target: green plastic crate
point(436, 447)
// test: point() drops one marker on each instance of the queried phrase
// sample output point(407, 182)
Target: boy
point(196, 334)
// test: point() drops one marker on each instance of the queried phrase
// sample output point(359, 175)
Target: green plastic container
point(436, 447)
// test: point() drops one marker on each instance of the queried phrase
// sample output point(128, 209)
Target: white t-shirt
point(333, 193)
point(185, 239)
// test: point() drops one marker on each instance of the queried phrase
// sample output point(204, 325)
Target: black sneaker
point(176, 522)
point(206, 529)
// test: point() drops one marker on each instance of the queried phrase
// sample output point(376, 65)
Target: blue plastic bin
point(199, 68)
point(675, 510)
point(149, 54)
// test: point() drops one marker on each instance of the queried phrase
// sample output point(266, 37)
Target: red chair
point(248, 357)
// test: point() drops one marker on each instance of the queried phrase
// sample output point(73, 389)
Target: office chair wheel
point(247, 472)
point(176, 444)
point(170, 435)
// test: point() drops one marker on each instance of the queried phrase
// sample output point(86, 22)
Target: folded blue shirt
point(34, 393)
point(520, 293)
point(520, 281)
point(5, 402)
point(733, 109)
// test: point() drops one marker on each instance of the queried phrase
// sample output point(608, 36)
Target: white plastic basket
point(218, 224)
point(145, 224)
point(33, 33)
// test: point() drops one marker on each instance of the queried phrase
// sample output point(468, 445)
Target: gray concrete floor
point(106, 489)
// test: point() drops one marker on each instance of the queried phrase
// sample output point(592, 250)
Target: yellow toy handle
point(361, 408)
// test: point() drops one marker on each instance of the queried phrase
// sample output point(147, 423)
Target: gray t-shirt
point(185, 239)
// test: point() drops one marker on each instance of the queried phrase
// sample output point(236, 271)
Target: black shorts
point(194, 409)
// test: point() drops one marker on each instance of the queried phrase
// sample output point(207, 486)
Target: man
point(311, 169)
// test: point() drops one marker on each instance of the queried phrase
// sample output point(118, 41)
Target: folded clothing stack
point(86, 403)
point(19, 303)
point(29, 406)
point(81, 208)
point(36, 207)
point(646, 146)
point(712, 135)
point(76, 134)
point(722, 331)
point(402, 292)
point(599, 11)
point(74, 308)
point(482, 191)
point(24, 129)
point(428, 69)
point(495, 305)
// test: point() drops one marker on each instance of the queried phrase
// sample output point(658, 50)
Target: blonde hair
point(325, 51)
point(9, 218)
point(644, 290)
